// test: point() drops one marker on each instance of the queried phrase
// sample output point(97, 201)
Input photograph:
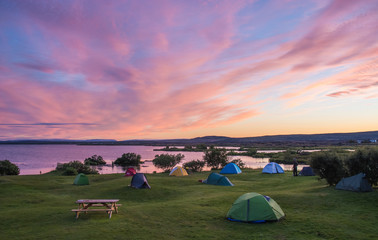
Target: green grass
point(38, 207)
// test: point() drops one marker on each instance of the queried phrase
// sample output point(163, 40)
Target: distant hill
point(273, 140)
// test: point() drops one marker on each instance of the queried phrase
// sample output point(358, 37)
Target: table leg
point(114, 206)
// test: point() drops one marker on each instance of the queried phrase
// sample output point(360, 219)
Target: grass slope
point(38, 207)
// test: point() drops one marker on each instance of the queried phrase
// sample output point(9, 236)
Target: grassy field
point(38, 207)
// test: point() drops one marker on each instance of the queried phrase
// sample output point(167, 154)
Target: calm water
point(33, 159)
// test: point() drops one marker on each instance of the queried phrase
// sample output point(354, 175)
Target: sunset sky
point(158, 69)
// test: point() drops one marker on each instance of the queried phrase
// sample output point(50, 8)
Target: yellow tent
point(178, 171)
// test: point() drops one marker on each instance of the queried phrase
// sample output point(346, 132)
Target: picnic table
point(97, 205)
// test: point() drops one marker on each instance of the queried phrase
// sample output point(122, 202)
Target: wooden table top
point(97, 201)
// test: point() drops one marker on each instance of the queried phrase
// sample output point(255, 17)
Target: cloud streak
point(126, 69)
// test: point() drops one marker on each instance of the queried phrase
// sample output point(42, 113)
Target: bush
point(188, 147)
point(94, 161)
point(329, 166)
point(167, 161)
point(70, 171)
point(66, 168)
point(8, 168)
point(128, 159)
point(251, 152)
point(201, 146)
point(366, 161)
point(239, 162)
point(215, 157)
point(194, 165)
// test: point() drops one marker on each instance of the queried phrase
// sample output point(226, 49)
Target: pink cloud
point(128, 68)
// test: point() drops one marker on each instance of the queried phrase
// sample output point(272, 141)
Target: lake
point(36, 159)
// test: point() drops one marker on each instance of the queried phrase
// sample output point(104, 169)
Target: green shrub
point(70, 171)
point(8, 168)
point(215, 157)
point(364, 160)
point(167, 161)
point(77, 165)
point(194, 165)
point(201, 146)
point(328, 165)
point(188, 147)
point(251, 152)
point(94, 161)
point(128, 159)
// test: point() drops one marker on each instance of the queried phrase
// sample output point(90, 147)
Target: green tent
point(218, 179)
point(254, 207)
point(356, 183)
point(81, 179)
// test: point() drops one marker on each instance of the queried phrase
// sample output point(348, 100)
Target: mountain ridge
point(323, 138)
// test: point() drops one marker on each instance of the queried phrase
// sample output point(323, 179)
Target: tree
point(239, 162)
point(167, 161)
point(251, 152)
point(8, 168)
point(94, 161)
point(128, 159)
point(364, 160)
point(287, 156)
point(215, 157)
point(188, 147)
point(194, 165)
point(75, 167)
point(328, 165)
point(201, 146)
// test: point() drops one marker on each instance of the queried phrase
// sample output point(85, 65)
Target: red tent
point(130, 172)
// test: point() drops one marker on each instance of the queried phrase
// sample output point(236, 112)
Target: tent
point(81, 179)
point(272, 167)
point(139, 180)
point(231, 168)
point(356, 183)
point(254, 207)
point(218, 179)
point(178, 171)
point(130, 172)
point(306, 171)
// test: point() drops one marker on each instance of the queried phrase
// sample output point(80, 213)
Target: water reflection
point(148, 167)
point(33, 159)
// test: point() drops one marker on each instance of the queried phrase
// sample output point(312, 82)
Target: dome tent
point(178, 171)
point(81, 179)
point(306, 171)
point(356, 183)
point(231, 168)
point(254, 207)
point(273, 168)
point(139, 180)
point(218, 179)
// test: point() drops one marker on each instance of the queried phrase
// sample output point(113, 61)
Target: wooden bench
point(101, 205)
point(78, 211)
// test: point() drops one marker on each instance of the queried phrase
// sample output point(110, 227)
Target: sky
point(163, 69)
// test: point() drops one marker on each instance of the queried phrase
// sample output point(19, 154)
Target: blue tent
point(272, 168)
point(139, 180)
point(231, 168)
point(306, 171)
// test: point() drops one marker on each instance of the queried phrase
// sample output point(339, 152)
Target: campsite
point(38, 207)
